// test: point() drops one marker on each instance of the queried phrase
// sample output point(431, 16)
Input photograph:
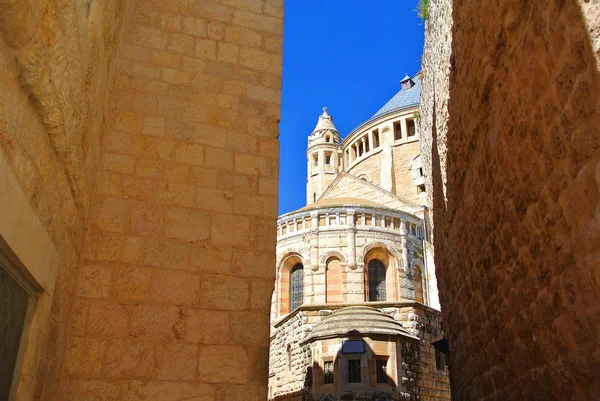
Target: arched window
point(418, 284)
point(376, 281)
point(296, 286)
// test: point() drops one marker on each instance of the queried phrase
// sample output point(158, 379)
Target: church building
point(355, 308)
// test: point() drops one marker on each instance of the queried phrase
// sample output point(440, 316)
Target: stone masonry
point(144, 136)
point(510, 112)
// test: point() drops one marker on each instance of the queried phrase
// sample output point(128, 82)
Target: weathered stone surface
point(509, 123)
point(157, 322)
point(121, 136)
point(229, 364)
point(208, 327)
point(177, 362)
point(129, 359)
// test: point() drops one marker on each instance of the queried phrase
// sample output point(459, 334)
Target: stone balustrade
point(346, 217)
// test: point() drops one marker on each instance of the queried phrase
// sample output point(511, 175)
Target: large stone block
point(157, 322)
point(187, 224)
point(225, 292)
point(129, 359)
point(174, 287)
point(176, 362)
point(229, 364)
point(208, 326)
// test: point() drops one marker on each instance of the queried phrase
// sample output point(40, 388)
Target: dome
point(325, 122)
point(408, 96)
point(357, 321)
point(331, 202)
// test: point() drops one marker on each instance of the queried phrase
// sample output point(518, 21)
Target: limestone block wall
point(433, 383)
point(369, 168)
point(510, 110)
point(53, 109)
point(144, 134)
point(174, 286)
point(289, 360)
point(403, 179)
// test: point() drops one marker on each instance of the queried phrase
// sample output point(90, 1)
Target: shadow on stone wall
point(518, 239)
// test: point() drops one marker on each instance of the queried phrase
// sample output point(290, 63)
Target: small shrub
point(423, 9)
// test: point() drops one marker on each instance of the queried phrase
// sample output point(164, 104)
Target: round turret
point(324, 157)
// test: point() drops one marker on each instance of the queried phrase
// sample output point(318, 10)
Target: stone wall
point(369, 168)
point(417, 374)
point(403, 180)
point(432, 383)
point(510, 108)
point(289, 360)
point(53, 109)
point(154, 170)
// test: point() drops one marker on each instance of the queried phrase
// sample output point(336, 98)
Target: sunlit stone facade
point(355, 307)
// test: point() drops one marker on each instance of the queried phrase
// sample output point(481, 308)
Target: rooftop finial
point(325, 121)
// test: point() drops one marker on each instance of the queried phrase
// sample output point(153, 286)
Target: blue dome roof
point(403, 99)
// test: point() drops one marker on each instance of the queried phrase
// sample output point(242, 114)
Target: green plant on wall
point(423, 9)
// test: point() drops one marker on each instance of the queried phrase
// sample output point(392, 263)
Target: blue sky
point(348, 55)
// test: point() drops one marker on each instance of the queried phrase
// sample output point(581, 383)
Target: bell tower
point(324, 157)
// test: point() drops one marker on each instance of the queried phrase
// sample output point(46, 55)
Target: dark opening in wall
point(15, 297)
point(354, 371)
point(410, 128)
point(381, 368)
point(328, 372)
point(397, 130)
point(440, 360)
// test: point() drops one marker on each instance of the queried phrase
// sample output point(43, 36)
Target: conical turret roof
point(325, 122)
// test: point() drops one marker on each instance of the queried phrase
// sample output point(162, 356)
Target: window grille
point(376, 281)
point(354, 371)
point(297, 286)
point(381, 365)
point(328, 375)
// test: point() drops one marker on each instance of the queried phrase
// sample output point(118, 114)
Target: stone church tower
point(355, 308)
point(324, 156)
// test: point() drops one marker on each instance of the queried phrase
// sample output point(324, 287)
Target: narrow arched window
point(296, 286)
point(376, 271)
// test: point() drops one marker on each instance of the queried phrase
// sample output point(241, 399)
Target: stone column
point(403, 244)
point(321, 173)
point(387, 160)
point(335, 158)
point(314, 241)
point(351, 239)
